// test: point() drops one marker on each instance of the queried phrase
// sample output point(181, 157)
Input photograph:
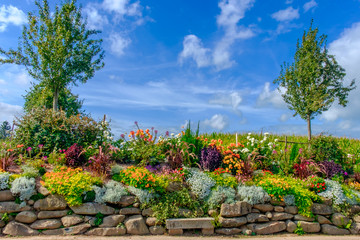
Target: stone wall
point(52, 216)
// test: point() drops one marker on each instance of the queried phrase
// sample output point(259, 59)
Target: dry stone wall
point(52, 216)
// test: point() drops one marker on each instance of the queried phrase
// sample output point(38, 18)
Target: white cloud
point(95, 20)
point(309, 5)
point(123, 7)
point(232, 100)
point(11, 15)
point(118, 44)
point(8, 111)
point(284, 117)
point(347, 52)
point(270, 98)
point(193, 48)
point(289, 1)
point(217, 121)
point(287, 14)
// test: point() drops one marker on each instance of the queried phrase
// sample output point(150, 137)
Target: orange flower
point(10, 150)
point(20, 145)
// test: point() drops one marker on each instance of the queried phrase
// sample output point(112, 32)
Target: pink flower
point(300, 150)
point(156, 131)
point(274, 152)
point(41, 145)
point(167, 133)
point(29, 149)
point(122, 135)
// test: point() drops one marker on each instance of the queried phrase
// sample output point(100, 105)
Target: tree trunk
point(56, 101)
point(309, 127)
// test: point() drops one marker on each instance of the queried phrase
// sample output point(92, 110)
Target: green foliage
point(299, 230)
point(54, 130)
point(224, 179)
point(326, 148)
point(194, 143)
point(314, 80)
point(57, 49)
point(5, 130)
point(5, 218)
point(37, 197)
point(98, 219)
point(220, 195)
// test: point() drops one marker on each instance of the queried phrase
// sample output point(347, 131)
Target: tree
point(5, 130)
point(314, 80)
point(57, 49)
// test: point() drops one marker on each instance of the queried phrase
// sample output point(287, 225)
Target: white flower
point(172, 134)
point(262, 141)
point(276, 140)
point(100, 128)
point(245, 150)
point(265, 138)
point(270, 144)
point(248, 137)
point(252, 140)
point(249, 133)
point(266, 133)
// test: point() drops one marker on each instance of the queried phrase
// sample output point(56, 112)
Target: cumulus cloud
point(309, 5)
point(8, 111)
point(287, 14)
point(217, 121)
point(193, 48)
point(232, 11)
point(347, 52)
point(232, 100)
point(11, 15)
point(269, 97)
point(118, 43)
point(123, 7)
point(95, 19)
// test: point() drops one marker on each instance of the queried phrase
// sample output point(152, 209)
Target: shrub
point(200, 183)
point(178, 154)
point(316, 184)
point(100, 162)
point(220, 195)
point(222, 178)
point(29, 171)
point(326, 148)
point(330, 169)
point(143, 195)
point(57, 157)
point(24, 187)
point(305, 168)
point(194, 142)
point(4, 180)
point(70, 183)
point(252, 194)
point(74, 157)
point(210, 158)
point(115, 169)
point(335, 192)
point(111, 192)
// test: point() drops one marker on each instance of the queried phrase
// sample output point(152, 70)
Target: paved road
point(189, 237)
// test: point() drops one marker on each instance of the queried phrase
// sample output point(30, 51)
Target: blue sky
point(211, 61)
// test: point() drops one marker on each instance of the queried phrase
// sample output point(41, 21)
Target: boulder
point(108, 231)
point(136, 225)
point(254, 210)
point(126, 201)
point(339, 220)
point(78, 229)
point(355, 228)
point(232, 222)
point(256, 217)
point(148, 212)
point(46, 224)
point(52, 214)
point(279, 209)
point(93, 209)
point(357, 218)
point(299, 217)
point(290, 226)
point(235, 210)
point(277, 203)
point(355, 209)
point(291, 209)
point(26, 217)
point(151, 221)
point(112, 221)
point(10, 207)
point(269, 227)
point(71, 220)
point(19, 229)
point(264, 207)
point(322, 220)
point(50, 203)
point(276, 216)
point(157, 230)
point(309, 227)
point(130, 211)
point(6, 195)
point(333, 230)
point(43, 190)
point(228, 231)
point(321, 209)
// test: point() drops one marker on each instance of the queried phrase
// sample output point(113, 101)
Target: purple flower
point(167, 133)
point(345, 173)
point(122, 135)
point(45, 157)
point(152, 128)
point(29, 149)
point(136, 123)
point(156, 131)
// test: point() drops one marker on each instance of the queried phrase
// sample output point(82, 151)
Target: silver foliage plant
point(200, 183)
point(111, 192)
point(24, 187)
point(252, 194)
point(143, 195)
point(4, 180)
point(289, 200)
point(335, 192)
point(221, 195)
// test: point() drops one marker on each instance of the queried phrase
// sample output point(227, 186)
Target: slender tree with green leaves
point(5, 130)
point(314, 80)
point(57, 49)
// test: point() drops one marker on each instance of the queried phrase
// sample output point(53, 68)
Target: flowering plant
point(316, 184)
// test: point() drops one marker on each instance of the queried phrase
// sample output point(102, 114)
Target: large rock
point(52, 214)
point(333, 230)
point(232, 222)
point(6, 195)
point(279, 209)
point(43, 190)
point(323, 220)
point(264, 207)
point(112, 221)
point(26, 217)
point(276, 216)
point(10, 207)
point(19, 229)
point(136, 225)
point(256, 217)
point(71, 220)
point(299, 217)
point(235, 210)
point(339, 220)
point(109, 231)
point(157, 230)
point(290, 226)
point(46, 224)
point(291, 209)
point(321, 209)
point(151, 221)
point(93, 209)
point(309, 227)
point(228, 231)
point(355, 209)
point(148, 212)
point(78, 229)
point(355, 228)
point(269, 228)
point(130, 211)
point(126, 201)
point(357, 218)
point(50, 203)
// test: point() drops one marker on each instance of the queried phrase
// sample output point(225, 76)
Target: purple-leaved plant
point(330, 168)
point(210, 158)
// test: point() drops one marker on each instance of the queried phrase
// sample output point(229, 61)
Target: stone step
point(190, 223)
